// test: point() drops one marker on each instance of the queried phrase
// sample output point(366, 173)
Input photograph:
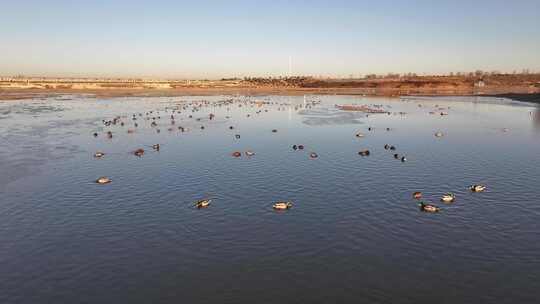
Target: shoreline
point(516, 86)
point(15, 94)
point(20, 94)
point(531, 98)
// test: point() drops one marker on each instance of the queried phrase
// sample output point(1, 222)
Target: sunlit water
point(354, 234)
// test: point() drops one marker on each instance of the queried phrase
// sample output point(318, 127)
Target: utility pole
point(290, 66)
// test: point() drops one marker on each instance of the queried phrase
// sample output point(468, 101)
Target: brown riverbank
point(521, 87)
point(16, 94)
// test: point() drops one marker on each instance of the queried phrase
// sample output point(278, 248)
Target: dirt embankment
point(435, 85)
point(523, 85)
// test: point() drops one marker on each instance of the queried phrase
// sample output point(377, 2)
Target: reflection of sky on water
point(328, 116)
point(38, 130)
point(536, 118)
point(349, 211)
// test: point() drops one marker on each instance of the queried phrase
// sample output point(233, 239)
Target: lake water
point(353, 235)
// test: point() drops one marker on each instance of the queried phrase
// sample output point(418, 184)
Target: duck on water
point(477, 188)
point(428, 207)
point(282, 205)
point(448, 198)
point(364, 153)
point(103, 180)
point(203, 203)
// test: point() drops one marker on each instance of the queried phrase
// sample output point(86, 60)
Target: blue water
point(354, 233)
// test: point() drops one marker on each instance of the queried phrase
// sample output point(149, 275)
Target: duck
point(403, 159)
point(130, 131)
point(477, 188)
point(282, 205)
point(203, 203)
point(313, 155)
point(439, 134)
point(274, 131)
point(386, 147)
point(417, 195)
point(300, 147)
point(392, 148)
point(428, 207)
point(448, 198)
point(156, 147)
point(237, 136)
point(103, 180)
point(295, 147)
point(249, 153)
point(138, 152)
point(95, 135)
point(360, 135)
point(109, 134)
point(99, 154)
point(231, 127)
point(364, 153)
point(237, 154)
point(396, 156)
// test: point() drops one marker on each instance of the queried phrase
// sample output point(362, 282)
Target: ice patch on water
point(469, 99)
point(327, 116)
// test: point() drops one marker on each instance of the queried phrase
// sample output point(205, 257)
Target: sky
point(215, 39)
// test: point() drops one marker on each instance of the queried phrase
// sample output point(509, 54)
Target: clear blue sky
point(210, 39)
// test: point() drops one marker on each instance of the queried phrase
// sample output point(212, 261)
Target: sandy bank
point(519, 87)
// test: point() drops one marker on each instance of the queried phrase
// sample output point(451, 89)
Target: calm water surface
point(354, 234)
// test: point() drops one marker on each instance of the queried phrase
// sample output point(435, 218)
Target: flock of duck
point(445, 198)
point(197, 105)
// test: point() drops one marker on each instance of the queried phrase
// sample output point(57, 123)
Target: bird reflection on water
point(536, 119)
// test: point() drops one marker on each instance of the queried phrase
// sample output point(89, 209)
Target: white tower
point(290, 66)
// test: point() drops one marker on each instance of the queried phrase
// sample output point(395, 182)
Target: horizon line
point(477, 72)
